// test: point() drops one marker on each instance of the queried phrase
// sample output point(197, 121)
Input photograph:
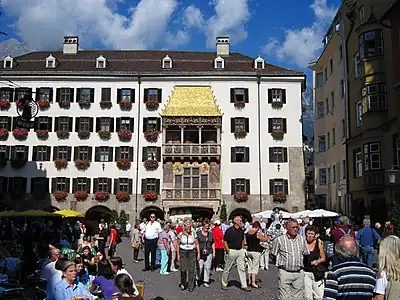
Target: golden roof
point(191, 101)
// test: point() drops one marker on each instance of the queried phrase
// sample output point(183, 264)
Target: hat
point(217, 222)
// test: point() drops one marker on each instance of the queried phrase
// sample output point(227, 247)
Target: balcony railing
point(191, 150)
point(191, 194)
point(374, 180)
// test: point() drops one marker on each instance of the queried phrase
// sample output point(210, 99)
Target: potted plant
point(240, 133)
point(4, 104)
point(43, 104)
point(62, 134)
point(84, 134)
point(84, 104)
point(65, 104)
point(239, 104)
point(152, 104)
point(81, 195)
point(150, 196)
point(105, 135)
point(82, 164)
point(241, 197)
point(18, 163)
point(279, 197)
point(125, 105)
point(3, 134)
point(125, 135)
point(60, 163)
point(151, 136)
point(60, 195)
point(124, 164)
point(42, 134)
point(277, 104)
point(102, 196)
point(277, 135)
point(123, 196)
point(105, 104)
point(20, 134)
point(150, 165)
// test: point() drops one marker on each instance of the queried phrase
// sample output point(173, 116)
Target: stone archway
point(98, 212)
point(198, 213)
point(148, 210)
point(243, 212)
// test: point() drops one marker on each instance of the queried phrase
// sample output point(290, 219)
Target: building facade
point(164, 131)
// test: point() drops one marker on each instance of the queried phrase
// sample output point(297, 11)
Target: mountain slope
point(14, 48)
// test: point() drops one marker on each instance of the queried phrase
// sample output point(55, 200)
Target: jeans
point(203, 272)
point(158, 256)
point(368, 255)
point(164, 261)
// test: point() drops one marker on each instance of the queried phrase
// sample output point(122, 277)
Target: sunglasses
point(152, 216)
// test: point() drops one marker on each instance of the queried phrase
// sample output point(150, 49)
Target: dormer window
point(8, 62)
point(100, 62)
point(50, 62)
point(259, 63)
point(219, 63)
point(167, 62)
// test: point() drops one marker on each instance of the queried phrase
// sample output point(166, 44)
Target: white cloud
point(302, 45)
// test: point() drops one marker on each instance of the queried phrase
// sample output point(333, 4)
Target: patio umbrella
point(34, 213)
point(322, 213)
point(8, 213)
point(68, 213)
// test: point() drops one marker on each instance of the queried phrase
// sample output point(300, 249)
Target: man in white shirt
point(150, 240)
point(50, 269)
point(128, 228)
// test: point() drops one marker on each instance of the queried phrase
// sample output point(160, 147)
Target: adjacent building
point(169, 132)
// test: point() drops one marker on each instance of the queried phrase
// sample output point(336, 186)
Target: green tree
point(223, 215)
point(122, 220)
point(114, 217)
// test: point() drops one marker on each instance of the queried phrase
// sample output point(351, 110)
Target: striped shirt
point(350, 279)
point(289, 252)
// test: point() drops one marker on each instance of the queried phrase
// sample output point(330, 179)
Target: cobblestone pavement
point(167, 286)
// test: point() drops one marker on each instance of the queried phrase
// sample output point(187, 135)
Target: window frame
point(372, 156)
point(359, 113)
point(377, 40)
point(381, 97)
point(322, 177)
point(322, 147)
point(320, 110)
point(358, 164)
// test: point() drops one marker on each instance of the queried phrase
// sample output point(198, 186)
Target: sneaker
point(166, 273)
point(224, 286)
point(219, 269)
point(246, 289)
point(206, 284)
point(135, 261)
point(174, 270)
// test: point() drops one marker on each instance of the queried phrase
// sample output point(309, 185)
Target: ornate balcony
point(191, 150)
point(374, 180)
point(191, 194)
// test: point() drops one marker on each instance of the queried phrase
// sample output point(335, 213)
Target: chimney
point(223, 46)
point(71, 45)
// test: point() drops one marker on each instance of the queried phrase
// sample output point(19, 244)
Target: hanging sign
point(27, 110)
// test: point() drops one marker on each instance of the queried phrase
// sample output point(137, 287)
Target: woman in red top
point(219, 246)
point(113, 241)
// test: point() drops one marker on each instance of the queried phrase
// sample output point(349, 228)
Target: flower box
point(125, 105)
point(102, 196)
point(105, 135)
point(43, 104)
point(81, 195)
point(150, 196)
point(123, 164)
point(277, 104)
point(18, 163)
point(151, 136)
point(240, 133)
point(84, 104)
point(60, 195)
point(241, 197)
point(84, 134)
point(277, 135)
point(82, 164)
point(125, 135)
point(60, 163)
point(279, 197)
point(123, 197)
point(239, 104)
point(152, 104)
point(64, 104)
point(3, 134)
point(62, 134)
point(42, 134)
point(20, 134)
point(105, 104)
point(151, 165)
point(4, 104)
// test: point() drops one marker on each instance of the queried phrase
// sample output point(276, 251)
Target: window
point(333, 99)
point(322, 143)
point(344, 169)
point(151, 185)
point(103, 154)
point(126, 95)
point(321, 110)
point(104, 124)
point(125, 152)
point(100, 62)
point(5, 123)
point(278, 155)
point(65, 94)
point(219, 63)
point(152, 94)
point(374, 97)
point(358, 163)
point(151, 124)
point(320, 79)
point(39, 185)
point(85, 94)
point(50, 62)
point(331, 66)
point(63, 124)
point(371, 43)
point(277, 125)
point(21, 92)
point(372, 156)
point(260, 65)
point(322, 176)
point(342, 88)
point(240, 154)
point(151, 153)
point(361, 13)
point(6, 94)
point(43, 123)
point(83, 153)
point(276, 95)
point(102, 184)
point(123, 185)
point(359, 113)
point(84, 124)
point(333, 136)
point(41, 153)
point(278, 186)
point(81, 184)
point(327, 105)
point(333, 174)
point(60, 184)
point(240, 185)
point(357, 65)
point(4, 153)
point(326, 74)
point(8, 62)
point(19, 153)
point(239, 124)
point(44, 94)
point(239, 94)
point(125, 124)
point(167, 62)
point(62, 152)
point(343, 128)
point(191, 178)
point(341, 52)
point(328, 140)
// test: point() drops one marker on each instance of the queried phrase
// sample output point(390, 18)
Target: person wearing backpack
point(388, 283)
point(342, 228)
point(367, 238)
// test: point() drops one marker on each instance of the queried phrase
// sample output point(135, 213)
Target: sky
point(287, 33)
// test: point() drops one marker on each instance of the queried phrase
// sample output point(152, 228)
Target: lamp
point(339, 193)
point(392, 174)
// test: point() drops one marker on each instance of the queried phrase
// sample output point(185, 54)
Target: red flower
point(60, 195)
point(102, 196)
point(239, 104)
point(4, 104)
point(3, 134)
point(240, 133)
point(124, 164)
point(152, 104)
point(60, 163)
point(151, 165)
point(125, 135)
point(151, 136)
point(43, 104)
point(123, 197)
point(150, 196)
point(125, 105)
point(82, 164)
point(42, 134)
point(81, 195)
point(241, 197)
point(279, 197)
point(20, 133)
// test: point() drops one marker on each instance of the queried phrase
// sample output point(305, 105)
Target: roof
point(191, 101)
point(390, 10)
point(134, 62)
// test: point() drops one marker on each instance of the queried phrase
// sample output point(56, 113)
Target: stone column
point(200, 141)
point(218, 135)
point(164, 134)
point(182, 134)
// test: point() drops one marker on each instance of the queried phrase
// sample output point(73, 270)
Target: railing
point(191, 194)
point(374, 180)
point(191, 149)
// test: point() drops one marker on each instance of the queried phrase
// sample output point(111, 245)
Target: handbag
point(135, 245)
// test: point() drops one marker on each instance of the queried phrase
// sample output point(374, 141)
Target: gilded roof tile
point(190, 101)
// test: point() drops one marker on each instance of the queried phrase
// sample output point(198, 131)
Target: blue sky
point(285, 32)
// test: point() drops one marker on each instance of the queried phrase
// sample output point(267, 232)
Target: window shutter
point(285, 155)
point(53, 184)
point(159, 95)
point(158, 183)
point(14, 125)
point(90, 154)
point(69, 153)
point(97, 154)
point(77, 125)
point(26, 152)
point(58, 94)
point(109, 185)
point(9, 120)
point(145, 95)
point(34, 153)
point(130, 185)
point(55, 152)
point(286, 186)
point(51, 95)
point(232, 95)
point(132, 125)
point(145, 120)
point(56, 123)
point(233, 154)
point(48, 153)
point(144, 154)
point(78, 95)
point(283, 91)
point(233, 186)
point(158, 124)
point(68, 185)
point(271, 154)
point(72, 96)
point(116, 186)
point(394, 141)
point(111, 124)
point(131, 154)
point(24, 184)
point(106, 94)
point(74, 185)
point(110, 154)
point(8, 148)
point(284, 125)
point(37, 94)
point(117, 153)
point(247, 181)
point(36, 124)
point(89, 185)
point(98, 124)
point(271, 187)
point(119, 95)
point(246, 95)
point(33, 184)
point(270, 128)
point(50, 124)
point(247, 154)
point(76, 152)
point(71, 120)
point(269, 95)
point(118, 124)
point(133, 95)
point(92, 95)
point(95, 185)
point(233, 124)
point(91, 124)
point(246, 125)
point(158, 153)
point(144, 186)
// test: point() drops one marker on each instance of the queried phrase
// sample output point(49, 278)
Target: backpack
point(346, 234)
point(329, 248)
point(392, 290)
